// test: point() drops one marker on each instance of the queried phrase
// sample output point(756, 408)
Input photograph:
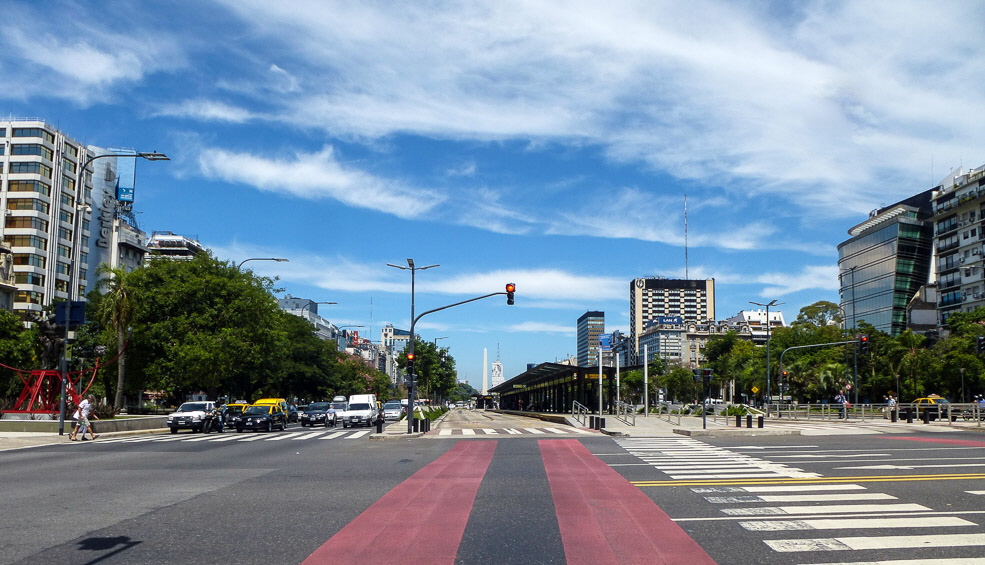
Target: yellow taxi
point(935, 406)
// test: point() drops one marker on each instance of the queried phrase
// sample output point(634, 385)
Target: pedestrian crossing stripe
point(854, 523)
point(877, 542)
point(472, 432)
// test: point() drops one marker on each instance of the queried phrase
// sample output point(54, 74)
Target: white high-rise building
point(46, 213)
point(653, 298)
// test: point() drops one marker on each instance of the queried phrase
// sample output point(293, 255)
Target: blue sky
point(550, 144)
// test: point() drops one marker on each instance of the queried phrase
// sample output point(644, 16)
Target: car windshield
point(318, 406)
point(192, 406)
point(257, 410)
point(234, 410)
point(338, 405)
point(359, 406)
point(392, 406)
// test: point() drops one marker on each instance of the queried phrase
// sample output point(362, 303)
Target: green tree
point(18, 350)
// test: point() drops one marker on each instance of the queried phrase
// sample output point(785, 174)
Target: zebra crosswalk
point(804, 518)
point(505, 432)
point(238, 437)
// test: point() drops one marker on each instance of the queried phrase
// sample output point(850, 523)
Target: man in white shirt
point(82, 414)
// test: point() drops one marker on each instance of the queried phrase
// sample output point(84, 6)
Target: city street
point(533, 497)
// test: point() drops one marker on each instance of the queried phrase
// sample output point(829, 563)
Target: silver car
point(392, 411)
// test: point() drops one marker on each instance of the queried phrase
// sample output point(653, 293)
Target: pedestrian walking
point(82, 414)
point(841, 399)
point(891, 405)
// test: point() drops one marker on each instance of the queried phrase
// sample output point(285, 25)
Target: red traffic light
point(410, 356)
point(510, 289)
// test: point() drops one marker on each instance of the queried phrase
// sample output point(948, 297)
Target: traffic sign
point(755, 389)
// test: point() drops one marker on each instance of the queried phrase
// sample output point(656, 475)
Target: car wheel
point(270, 427)
point(174, 430)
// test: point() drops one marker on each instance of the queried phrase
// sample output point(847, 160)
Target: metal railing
point(580, 412)
point(626, 413)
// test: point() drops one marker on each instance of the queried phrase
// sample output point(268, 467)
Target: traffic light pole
point(413, 324)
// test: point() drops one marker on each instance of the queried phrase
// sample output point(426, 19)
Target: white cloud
point(816, 277)
point(316, 176)
point(205, 110)
point(541, 327)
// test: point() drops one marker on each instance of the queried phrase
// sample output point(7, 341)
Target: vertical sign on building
point(126, 175)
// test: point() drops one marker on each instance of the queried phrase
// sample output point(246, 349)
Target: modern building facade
point(888, 259)
point(7, 286)
point(591, 325)
point(654, 297)
point(46, 213)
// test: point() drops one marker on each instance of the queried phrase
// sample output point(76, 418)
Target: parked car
point(262, 417)
point(319, 414)
point(392, 410)
point(190, 415)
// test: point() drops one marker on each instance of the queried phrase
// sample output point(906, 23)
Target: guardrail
point(946, 413)
point(580, 412)
point(626, 413)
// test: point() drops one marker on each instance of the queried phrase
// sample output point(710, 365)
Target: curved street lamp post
point(769, 394)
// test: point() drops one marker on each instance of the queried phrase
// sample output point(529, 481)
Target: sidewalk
point(22, 440)
point(693, 426)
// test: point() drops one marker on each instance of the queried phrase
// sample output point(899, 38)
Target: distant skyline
point(549, 144)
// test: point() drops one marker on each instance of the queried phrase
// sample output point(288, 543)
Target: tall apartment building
point(655, 297)
point(959, 221)
point(886, 262)
point(590, 326)
point(46, 213)
point(759, 326)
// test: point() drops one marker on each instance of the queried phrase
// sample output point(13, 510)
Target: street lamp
point(411, 377)
point(436, 341)
point(310, 302)
point(769, 392)
point(278, 259)
point(73, 264)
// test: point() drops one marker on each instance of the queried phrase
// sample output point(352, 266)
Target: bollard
point(892, 416)
point(749, 421)
point(738, 421)
point(591, 423)
point(601, 423)
point(427, 424)
point(416, 425)
point(379, 426)
point(925, 417)
point(761, 421)
point(909, 416)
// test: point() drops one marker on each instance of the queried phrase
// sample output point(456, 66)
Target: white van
point(362, 411)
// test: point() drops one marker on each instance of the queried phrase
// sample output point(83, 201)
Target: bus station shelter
point(552, 387)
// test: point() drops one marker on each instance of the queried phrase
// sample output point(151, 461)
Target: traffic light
point(980, 344)
point(510, 288)
point(783, 374)
point(410, 363)
point(863, 344)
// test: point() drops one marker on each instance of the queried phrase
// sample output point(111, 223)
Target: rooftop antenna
point(685, 238)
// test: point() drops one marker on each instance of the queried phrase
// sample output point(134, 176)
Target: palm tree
point(116, 311)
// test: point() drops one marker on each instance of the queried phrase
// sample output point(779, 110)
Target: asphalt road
point(527, 498)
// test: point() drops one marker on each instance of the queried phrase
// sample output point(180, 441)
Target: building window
point(29, 259)
point(29, 223)
point(68, 200)
point(29, 297)
point(27, 241)
point(27, 204)
point(31, 168)
point(62, 269)
point(29, 278)
point(29, 186)
point(34, 132)
point(31, 149)
point(72, 151)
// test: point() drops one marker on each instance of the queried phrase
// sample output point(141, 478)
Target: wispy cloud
point(206, 111)
point(317, 176)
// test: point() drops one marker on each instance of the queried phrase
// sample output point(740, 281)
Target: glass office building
point(884, 264)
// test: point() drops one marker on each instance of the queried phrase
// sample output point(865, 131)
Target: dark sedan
point(262, 418)
point(319, 414)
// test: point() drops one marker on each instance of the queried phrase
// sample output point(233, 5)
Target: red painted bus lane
point(439, 496)
point(604, 519)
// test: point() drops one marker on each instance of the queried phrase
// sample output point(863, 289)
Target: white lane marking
point(535, 431)
point(255, 437)
point(837, 509)
point(281, 436)
point(556, 430)
point(226, 437)
point(334, 435)
point(356, 435)
point(854, 524)
point(490, 432)
point(800, 498)
point(309, 435)
point(444, 432)
point(777, 488)
point(975, 491)
point(204, 437)
point(877, 542)
point(581, 431)
point(513, 431)
point(934, 466)
point(468, 432)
